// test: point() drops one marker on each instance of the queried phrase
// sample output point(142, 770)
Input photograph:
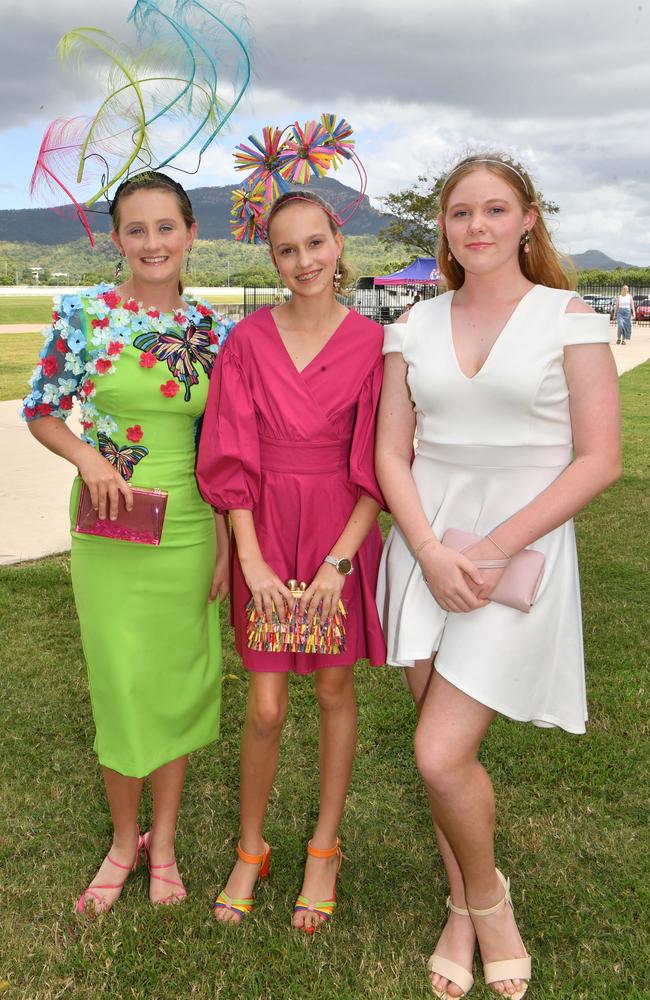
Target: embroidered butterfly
point(124, 459)
point(182, 350)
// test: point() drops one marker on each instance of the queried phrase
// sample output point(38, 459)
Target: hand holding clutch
point(522, 576)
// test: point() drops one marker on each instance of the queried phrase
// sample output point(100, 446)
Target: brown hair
point(153, 180)
point(543, 263)
point(297, 196)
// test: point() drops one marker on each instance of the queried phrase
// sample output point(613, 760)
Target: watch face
point(344, 566)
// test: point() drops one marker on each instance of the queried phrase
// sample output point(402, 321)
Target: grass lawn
point(38, 308)
point(25, 309)
point(572, 814)
point(18, 357)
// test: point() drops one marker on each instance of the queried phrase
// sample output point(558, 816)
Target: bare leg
point(166, 788)
point(338, 735)
point(267, 708)
point(124, 800)
point(458, 939)
point(447, 739)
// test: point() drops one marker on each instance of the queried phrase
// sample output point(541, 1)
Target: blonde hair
point(309, 196)
point(542, 264)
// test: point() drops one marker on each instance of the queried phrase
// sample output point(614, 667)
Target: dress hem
point(160, 763)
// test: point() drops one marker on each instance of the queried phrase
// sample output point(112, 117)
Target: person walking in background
point(138, 357)
point(287, 449)
point(624, 313)
point(508, 383)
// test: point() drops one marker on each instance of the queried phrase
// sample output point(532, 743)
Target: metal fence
point(385, 303)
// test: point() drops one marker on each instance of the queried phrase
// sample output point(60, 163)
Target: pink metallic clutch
point(518, 586)
point(143, 523)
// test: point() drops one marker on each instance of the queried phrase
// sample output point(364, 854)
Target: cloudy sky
point(562, 84)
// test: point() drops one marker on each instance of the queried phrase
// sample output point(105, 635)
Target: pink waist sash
point(303, 457)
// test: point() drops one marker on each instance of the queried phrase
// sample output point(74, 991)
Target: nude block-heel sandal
point(511, 968)
point(244, 906)
point(452, 971)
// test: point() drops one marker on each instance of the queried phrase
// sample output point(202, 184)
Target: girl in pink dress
point(287, 449)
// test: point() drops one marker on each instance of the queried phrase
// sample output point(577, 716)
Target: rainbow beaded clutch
point(296, 634)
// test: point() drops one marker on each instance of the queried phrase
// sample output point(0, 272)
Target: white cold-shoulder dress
point(486, 446)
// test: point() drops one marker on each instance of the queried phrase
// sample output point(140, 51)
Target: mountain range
point(56, 226)
point(53, 226)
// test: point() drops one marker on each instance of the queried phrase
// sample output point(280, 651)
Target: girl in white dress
point(508, 384)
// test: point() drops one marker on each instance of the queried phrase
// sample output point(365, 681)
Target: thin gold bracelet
point(431, 538)
point(498, 546)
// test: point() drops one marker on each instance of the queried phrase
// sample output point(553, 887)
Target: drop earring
point(524, 242)
point(187, 262)
point(119, 267)
point(336, 280)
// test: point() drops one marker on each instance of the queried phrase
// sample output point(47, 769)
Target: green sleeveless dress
point(150, 638)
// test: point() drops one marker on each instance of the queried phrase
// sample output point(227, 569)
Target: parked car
point(643, 311)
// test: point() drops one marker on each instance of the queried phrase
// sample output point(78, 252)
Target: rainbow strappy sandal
point(244, 906)
point(179, 892)
point(90, 893)
point(324, 907)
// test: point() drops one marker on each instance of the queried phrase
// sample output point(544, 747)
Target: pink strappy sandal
point(175, 896)
point(90, 893)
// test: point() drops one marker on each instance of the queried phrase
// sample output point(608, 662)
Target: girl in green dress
point(138, 358)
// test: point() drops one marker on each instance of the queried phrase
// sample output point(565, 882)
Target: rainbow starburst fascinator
point(294, 155)
point(165, 98)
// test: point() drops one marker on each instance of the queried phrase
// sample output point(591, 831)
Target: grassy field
point(18, 356)
point(572, 826)
point(25, 309)
point(38, 308)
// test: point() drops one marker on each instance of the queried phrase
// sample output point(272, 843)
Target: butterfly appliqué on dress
point(181, 350)
point(123, 459)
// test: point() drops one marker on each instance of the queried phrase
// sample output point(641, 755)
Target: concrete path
point(35, 485)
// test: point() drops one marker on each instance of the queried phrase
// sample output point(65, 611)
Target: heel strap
point(251, 859)
point(315, 852)
point(503, 902)
point(456, 909)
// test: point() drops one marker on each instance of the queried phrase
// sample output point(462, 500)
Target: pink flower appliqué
point(49, 367)
point(148, 360)
point(87, 388)
point(102, 365)
point(154, 313)
point(132, 306)
point(65, 403)
point(61, 345)
point(169, 388)
point(115, 347)
point(134, 433)
point(100, 324)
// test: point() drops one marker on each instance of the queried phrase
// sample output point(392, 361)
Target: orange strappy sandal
point(176, 895)
point(90, 893)
point(244, 906)
point(324, 907)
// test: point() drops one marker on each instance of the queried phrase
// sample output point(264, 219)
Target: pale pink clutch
point(143, 523)
point(518, 586)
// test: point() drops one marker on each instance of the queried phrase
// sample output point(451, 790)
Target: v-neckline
point(301, 371)
point(499, 337)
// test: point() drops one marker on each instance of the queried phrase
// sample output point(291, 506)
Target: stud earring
point(119, 267)
point(450, 256)
point(336, 280)
point(524, 242)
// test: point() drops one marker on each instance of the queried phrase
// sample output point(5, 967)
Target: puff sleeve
point(584, 328)
point(228, 465)
point(394, 338)
point(58, 375)
point(362, 448)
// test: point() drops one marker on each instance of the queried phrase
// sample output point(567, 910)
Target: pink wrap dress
point(297, 449)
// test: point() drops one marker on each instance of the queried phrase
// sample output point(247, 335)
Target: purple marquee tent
point(423, 271)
